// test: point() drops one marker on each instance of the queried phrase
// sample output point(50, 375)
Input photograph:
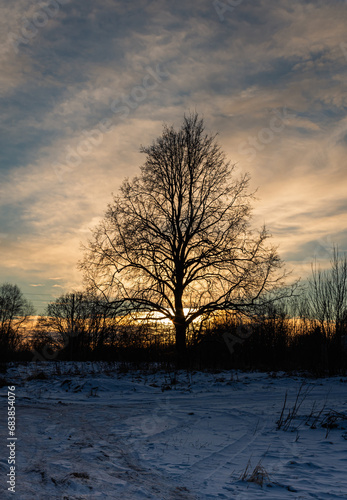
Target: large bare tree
point(177, 239)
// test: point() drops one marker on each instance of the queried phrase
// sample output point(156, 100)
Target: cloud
point(264, 58)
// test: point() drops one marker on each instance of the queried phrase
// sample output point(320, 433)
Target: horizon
point(84, 86)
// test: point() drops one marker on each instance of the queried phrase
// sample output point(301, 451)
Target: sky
point(83, 84)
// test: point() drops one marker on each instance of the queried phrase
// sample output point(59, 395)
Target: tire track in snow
point(157, 485)
point(120, 463)
point(218, 464)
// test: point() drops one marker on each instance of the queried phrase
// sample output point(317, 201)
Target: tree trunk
point(181, 351)
point(180, 321)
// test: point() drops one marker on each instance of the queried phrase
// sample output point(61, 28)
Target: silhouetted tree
point(63, 325)
point(14, 313)
point(177, 239)
point(327, 295)
point(77, 323)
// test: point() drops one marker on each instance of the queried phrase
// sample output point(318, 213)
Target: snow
point(88, 432)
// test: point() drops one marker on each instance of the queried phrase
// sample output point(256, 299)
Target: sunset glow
point(98, 79)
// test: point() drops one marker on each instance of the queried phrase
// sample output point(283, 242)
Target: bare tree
point(177, 239)
point(14, 313)
point(79, 323)
point(327, 295)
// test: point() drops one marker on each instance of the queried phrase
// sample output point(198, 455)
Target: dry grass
point(288, 415)
point(259, 474)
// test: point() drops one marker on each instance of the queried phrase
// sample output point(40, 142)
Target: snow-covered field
point(159, 435)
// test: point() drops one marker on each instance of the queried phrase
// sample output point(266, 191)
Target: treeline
point(15, 311)
point(305, 332)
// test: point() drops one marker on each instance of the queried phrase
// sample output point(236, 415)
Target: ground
point(89, 431)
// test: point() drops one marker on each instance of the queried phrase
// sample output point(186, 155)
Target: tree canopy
point(177, 238)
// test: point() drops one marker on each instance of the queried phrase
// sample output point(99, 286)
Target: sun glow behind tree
point(177, 239)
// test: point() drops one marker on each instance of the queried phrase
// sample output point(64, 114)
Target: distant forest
point(307, 331)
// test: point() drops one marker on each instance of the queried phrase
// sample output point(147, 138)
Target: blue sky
point(85, 83)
